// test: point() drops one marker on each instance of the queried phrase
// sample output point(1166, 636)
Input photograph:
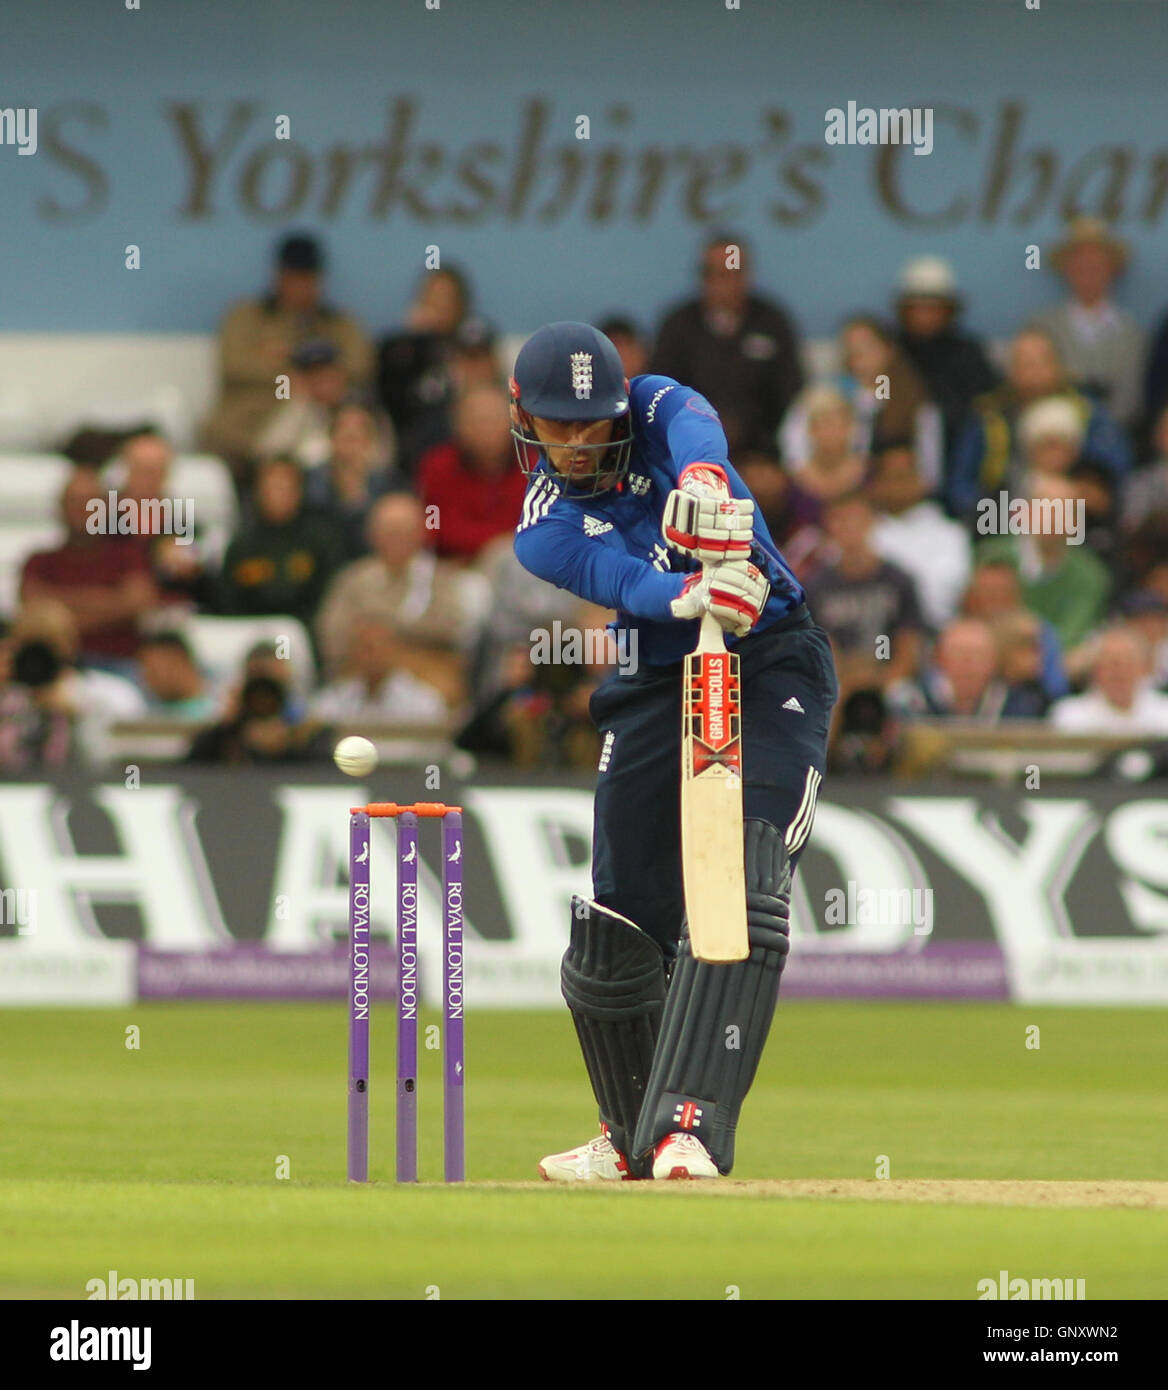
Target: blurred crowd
point(379, 489)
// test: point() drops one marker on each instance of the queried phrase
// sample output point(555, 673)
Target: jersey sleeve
point(602, 574)
point(681, 421)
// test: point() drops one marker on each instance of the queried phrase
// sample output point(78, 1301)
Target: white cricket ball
point(356, 757)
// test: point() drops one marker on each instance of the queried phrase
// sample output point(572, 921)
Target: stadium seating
point(206, 480)
point(17, 543)
point(220, 645)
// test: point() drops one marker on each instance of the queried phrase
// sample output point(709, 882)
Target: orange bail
point(391, 808)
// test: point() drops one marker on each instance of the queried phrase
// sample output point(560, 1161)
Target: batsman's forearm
point(610, 580)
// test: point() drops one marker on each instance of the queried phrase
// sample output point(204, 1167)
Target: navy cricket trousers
point(788, 688)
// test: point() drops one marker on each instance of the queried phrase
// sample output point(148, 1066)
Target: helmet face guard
point(610, 461)
point(566, 372)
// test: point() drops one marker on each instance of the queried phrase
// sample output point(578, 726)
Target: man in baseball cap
point(953, 364)
point(257, 340)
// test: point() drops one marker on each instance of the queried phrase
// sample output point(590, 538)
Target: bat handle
point(711, 638)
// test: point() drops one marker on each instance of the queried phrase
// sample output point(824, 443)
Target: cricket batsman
point(633, 504)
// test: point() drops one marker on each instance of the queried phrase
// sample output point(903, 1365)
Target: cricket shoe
point(598, 1161)
point(682, 1155)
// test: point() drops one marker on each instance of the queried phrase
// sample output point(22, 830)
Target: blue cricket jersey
point(609, 549)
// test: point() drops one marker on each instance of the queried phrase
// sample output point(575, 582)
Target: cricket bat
point(711, 800)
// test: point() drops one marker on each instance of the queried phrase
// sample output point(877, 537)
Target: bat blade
point(711, 801)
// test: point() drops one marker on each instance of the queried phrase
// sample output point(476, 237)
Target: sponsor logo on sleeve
point(653, 404)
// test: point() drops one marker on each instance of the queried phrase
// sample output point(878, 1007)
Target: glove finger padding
point(735, 592)
point(738, 593)
point(711, 529)
point(694, 599)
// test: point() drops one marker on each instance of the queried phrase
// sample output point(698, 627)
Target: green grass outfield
point(162, 1161)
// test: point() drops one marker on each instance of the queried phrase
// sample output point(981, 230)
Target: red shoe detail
point(622, 1163)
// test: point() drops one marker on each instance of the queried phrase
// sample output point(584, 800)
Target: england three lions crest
point(581, 374)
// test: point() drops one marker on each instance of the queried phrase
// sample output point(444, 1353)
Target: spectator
point(475, 360)
point(1120, 699)
point(102, 578)
point(736, 347)
point(141, 472)
point(1099, 490)
point(770, 486)
point(355, 476)
point(868, 607)
point(792, 514)
point(1147, 614)
point(423, 372)
point(434, 609)
point(261, 726)
point(793, 501)
point(473, 485)
point(282, 559)
point(1061, 582)
point(985, 672)
point(867, 736)
point(1146, 490)
point(92, 447)
point(994, 595)
point(987, 454)
point(517, 603)
point(888, 400)
point(52, 712)
point(629, 342)
point(264, 659)
point(1156, 377)
point(913, 533)
point(962, 680)
point(175, 687)
point(1019, 636)
point(413, 365)
point(375, 687)
point(827, 462)
point(256, 343)
point(470, 360)
point(1145, 555)
point(1099, 344)
point(1050, 435)
point(538, 717)
point(300, 427)
point(953, 365)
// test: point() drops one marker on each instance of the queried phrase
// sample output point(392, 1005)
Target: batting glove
point(710, 529)
point(702, 519)
point(735, 593)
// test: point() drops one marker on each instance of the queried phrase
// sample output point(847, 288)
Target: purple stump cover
point(452, 972)
point(407, 1000)
point(358, 1150)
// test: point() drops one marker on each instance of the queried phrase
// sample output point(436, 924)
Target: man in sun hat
point(1100, 344)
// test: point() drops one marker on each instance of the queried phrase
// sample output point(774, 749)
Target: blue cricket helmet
point(571, 372)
